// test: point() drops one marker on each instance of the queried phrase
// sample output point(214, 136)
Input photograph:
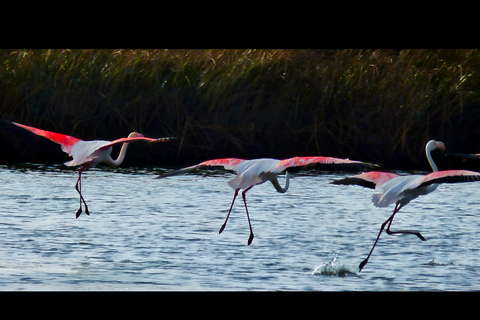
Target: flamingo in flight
point(403, 189)
point(89, 153)
point(257, 171)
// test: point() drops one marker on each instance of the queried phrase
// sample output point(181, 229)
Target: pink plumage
point(400, 190)
point(257, 171)
point(65, 141)
point(89, 153)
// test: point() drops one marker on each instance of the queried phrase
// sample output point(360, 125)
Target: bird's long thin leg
point(79, 211)
point(78, 186)
point(250, 238)
point(364, 262)
point(417, 233)
point(228, 215)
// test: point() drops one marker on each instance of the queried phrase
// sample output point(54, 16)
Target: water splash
point(434, 263)
point(332, 269)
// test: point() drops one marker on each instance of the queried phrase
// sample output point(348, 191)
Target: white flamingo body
point(257, 171)
point(403, 189)
point(93, 152)
point(89, 153)
point(400, 190)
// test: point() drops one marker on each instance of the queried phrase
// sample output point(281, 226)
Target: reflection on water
point(150, 234)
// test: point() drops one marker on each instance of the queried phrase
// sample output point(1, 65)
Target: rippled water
point(151, 234)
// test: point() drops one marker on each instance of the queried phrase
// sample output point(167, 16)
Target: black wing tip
point(355, 181)
point(180, 171)
point(163, 139)
point(353, 166)
point(172, 173)
point(470, 156)
point(454, 179)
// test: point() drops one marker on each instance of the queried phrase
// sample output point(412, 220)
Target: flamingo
point(89, 153)
point(403, 189)
point(257, 171)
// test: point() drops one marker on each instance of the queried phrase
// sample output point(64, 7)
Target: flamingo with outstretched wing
point(89, 153)
point(257, 171)
point(403, 189)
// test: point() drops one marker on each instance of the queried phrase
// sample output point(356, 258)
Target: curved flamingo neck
point(123, 151)
point(432, 145)
point(121, 156)
point(276, 184)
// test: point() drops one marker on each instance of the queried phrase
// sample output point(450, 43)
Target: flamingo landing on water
point(403, 189)
point(89, 153)
point(254, 172)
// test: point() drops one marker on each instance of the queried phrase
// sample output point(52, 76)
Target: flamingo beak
point(464, 155)
point(441, 146)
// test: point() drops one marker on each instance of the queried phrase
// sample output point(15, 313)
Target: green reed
point(373, 105)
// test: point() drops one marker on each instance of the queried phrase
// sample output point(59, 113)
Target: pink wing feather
point(227, 163)
point(374, 179)
point(369, 179)
point(234, 163)
point(65, 141)
point(327, 161)
point(139, 138)
point(449, 176)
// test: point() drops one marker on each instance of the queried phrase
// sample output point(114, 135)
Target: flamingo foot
point(418, 234)
point(79, 212)
point(362, 264)
point(222, 227)
point(250, 239)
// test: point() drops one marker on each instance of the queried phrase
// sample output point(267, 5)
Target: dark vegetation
point(379, 106)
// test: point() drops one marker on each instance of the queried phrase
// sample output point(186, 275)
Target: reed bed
point(374, 105)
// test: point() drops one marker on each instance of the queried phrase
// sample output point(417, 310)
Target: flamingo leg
point(228, 215)
point(250, 238)
point(389, 220)
point(418, 234)
point(78, 187)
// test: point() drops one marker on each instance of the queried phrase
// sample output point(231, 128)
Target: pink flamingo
point(403, 189)
point(89, 153)
point(254, 172)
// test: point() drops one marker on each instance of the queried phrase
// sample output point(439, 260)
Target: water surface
point(162, 234)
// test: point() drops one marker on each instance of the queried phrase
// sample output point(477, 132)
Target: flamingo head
point(433, 145)
point(441, 145)
point(135, 134)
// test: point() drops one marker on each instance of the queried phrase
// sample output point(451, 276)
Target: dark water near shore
point(151, 234)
